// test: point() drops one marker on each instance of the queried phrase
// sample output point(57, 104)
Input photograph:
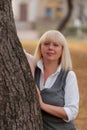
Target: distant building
point(28, 12)
point(25, 12)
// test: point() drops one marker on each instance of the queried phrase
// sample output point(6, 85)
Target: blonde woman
point(57, 84)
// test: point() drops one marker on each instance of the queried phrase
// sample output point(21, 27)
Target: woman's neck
point(50, 67)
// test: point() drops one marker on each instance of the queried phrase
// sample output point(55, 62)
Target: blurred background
point(34, 17)
point(37, 16)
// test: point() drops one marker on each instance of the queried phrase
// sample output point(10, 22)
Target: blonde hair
point(55, 36)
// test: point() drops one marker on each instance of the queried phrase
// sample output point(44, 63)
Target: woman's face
point(51, 51)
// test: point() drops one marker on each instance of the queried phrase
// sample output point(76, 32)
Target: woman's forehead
point(51, 40)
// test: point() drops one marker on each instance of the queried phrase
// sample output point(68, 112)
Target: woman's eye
point(46, 43)
point(55, 45)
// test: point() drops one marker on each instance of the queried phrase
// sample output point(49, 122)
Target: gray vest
point(54, 96)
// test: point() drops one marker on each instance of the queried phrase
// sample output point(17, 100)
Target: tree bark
point(66, 19)
point(19, 106)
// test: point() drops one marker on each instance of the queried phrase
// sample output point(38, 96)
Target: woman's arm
point(31, 65)
point(71, 96)
point(53, 110)
point(30, 61)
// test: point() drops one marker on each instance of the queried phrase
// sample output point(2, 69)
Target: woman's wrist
point(42, 105)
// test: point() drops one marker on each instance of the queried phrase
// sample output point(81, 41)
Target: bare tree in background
point(66, 19)
point(19, 106)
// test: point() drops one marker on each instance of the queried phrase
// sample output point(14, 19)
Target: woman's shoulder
point(28, 54)
point(71, 74)
point(30, 57)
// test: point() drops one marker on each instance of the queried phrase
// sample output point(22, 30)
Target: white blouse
point(71, 90)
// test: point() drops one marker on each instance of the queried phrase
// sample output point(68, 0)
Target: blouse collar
point(40, 66)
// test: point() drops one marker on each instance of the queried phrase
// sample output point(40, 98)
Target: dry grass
point(79, 58)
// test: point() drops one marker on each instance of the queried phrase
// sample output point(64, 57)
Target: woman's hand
point(39, 96)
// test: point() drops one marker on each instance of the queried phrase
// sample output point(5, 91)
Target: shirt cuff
point(68, 112)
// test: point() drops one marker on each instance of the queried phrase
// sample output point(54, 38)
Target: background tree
point(66, 19)
point(19, 107)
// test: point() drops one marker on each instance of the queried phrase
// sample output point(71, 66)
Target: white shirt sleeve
point(30, 57)
point(31, 61)
point(71, 96)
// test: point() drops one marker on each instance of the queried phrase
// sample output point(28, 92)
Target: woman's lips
point(50, 53)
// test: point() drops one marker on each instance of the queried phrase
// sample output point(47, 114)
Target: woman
point(57, 83)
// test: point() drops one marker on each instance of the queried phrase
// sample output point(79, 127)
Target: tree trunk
point(66, 19)
point(19, 106)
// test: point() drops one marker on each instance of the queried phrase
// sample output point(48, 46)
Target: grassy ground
point(79, 57)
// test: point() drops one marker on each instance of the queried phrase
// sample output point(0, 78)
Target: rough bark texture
point(66, 19)
point(19, 107)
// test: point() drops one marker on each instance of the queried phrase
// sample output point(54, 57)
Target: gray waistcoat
point(54, 96)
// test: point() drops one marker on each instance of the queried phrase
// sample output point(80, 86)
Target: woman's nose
point(50, 46)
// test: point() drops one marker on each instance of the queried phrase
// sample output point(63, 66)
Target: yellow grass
point(29, 46)
point(79, 57)
point(78, 46)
